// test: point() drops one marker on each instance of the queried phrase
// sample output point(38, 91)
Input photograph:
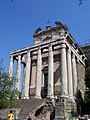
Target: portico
point(53, 49)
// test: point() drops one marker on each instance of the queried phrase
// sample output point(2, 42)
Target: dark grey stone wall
point(81, 78)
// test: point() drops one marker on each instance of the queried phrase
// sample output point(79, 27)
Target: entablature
point(46, 44)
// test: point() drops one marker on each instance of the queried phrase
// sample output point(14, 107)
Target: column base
point(72, 99)
point(64, 96)
point(38, 97)
point(50, 97)
point(69, 98)
point(24, 97)
point(17, 97)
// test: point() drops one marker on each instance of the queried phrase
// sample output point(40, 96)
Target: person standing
point(29, 118)
point(10, 115)
point(43, 118)
point(16, 117)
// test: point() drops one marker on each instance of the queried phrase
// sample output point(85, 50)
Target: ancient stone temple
point(53, 68)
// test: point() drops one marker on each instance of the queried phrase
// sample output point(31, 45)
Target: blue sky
point(19, 20)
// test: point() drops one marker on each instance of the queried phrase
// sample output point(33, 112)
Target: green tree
point(8, 93)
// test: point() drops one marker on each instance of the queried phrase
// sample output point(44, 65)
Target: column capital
point(50, 47)
point(11, 56)
point(69, 51)
point(19, 56)
point(63, 45)
point(28, 53)
point(73, 56)
point(39, 48)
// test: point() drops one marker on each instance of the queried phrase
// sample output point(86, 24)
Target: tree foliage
point(8, 93)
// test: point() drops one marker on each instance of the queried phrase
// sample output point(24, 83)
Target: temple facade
point(52, 68)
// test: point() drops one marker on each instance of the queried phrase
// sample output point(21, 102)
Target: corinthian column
point(69, 66)
point(74, 70)
point(18, 72)
point(11, 66)
point(50, 73)
point(64, 70)
point(38, 74)
point(27, 77)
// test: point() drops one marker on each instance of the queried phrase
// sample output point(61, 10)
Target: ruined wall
point(81, 78)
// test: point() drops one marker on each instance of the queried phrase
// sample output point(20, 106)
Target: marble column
point(69, 72)
point(38, 74)
point(64, 70)
point(23, 82)
point(74, 71)
point(27, 76)
point(18, 72)
point(50, 73)
point(11, 67)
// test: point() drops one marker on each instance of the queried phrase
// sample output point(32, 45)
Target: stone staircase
point(29, 106)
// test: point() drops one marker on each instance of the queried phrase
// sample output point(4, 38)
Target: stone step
point(28, 106)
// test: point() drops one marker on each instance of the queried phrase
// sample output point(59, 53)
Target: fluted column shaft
point(27, 76)
point(38, 74)
point(18, 72)
point(64, 69)
point(11, 66)
point(50, 73)
point(69, 71)
point(74, 71)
